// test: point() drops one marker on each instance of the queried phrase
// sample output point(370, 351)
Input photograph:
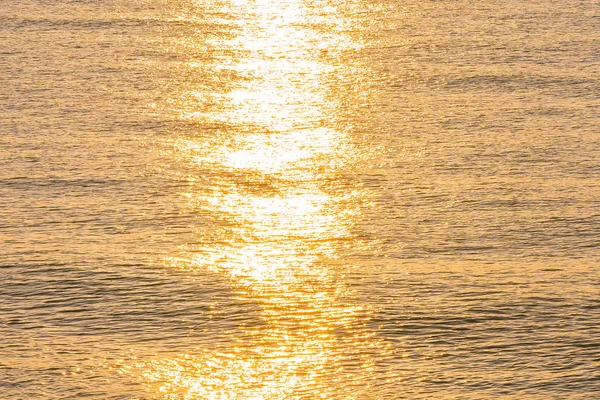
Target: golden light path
point(287, 214)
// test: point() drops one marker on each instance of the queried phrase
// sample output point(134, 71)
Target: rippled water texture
point(299, 199)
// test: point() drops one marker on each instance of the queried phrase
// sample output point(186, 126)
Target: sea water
point(299, 199)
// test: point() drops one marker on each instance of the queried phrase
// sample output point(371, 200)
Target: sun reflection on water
point(285, 216)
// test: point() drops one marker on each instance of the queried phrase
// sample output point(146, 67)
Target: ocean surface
point(299, 199)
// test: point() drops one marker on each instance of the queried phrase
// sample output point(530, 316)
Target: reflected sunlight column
point(277, 154)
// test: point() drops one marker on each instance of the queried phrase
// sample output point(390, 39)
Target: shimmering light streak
point(285, 216)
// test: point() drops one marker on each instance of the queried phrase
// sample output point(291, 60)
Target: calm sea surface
point(299, 199)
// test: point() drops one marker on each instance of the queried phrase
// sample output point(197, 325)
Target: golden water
point(299, 200)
